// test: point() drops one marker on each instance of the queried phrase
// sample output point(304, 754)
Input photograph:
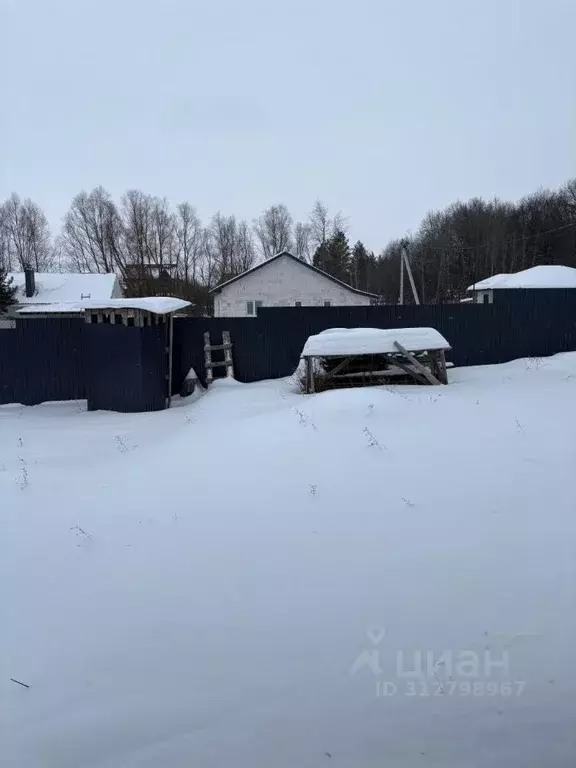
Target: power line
point(502, 242)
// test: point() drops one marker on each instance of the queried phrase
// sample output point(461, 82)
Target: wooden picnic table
point(417, 352)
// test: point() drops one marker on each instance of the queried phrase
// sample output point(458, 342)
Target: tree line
point(156, 248)
point(467, 242)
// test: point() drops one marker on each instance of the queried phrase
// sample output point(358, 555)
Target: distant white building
point(284, 281)
point(38, 289)
point(540, 277)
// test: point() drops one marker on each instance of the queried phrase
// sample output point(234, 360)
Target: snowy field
point(259, 579)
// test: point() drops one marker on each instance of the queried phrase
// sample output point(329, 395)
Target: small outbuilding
point(543, 277)
point(126, 350)
point(343, 357)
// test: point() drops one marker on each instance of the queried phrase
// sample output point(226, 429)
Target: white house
point(39, 289)
point(284, 281)
point(540, 277)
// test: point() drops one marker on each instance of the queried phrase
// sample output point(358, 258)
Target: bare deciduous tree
point(223, 238)
point(229, 248)
point(274, 231)
point(135, 212)
point(245, 255)
point(323, 226)
point(163, 235)
point(209, 264)
point(149, 230)
point(190, 243)
point(5, 256)
point(92, 233)
point(302, 235)
point(148, 257)
point(27, 234)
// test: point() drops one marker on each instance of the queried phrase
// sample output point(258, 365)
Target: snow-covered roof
point(53, 287)
point(160, 305)
point(372, 341)
point(542, 276)
point(286, 254)
point(490, 282)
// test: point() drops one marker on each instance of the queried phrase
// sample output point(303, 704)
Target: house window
point(297, 303)
point(327, 303)
point(252, 308)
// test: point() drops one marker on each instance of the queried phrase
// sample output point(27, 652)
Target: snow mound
point(372, 341)
point(360, 578)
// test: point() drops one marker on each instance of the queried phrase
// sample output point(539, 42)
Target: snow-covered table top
point(160, 305)
point(372, 341)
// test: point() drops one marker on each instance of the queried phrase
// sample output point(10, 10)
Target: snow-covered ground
point(249, 579)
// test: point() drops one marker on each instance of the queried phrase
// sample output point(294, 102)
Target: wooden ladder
point(209, 365)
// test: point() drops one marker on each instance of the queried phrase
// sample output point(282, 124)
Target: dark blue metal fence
point(42, 360)
point(125, 368)
point(529, 324)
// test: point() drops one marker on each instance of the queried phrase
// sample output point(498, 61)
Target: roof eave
point(218, 288)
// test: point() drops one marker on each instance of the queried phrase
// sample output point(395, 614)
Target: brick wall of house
point(282, 283)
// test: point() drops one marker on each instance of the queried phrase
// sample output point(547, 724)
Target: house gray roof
point(218, 288)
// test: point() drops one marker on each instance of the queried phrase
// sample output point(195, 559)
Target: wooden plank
point(340, 366)
point(442, 369)
point(432, 358)
point(309, 385)
point(170, 331)
point(216, 364)
point(208, 359)
point(417, 364)
point(227, 346)
point(419, 378)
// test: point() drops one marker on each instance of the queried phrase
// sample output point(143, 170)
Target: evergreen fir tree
point(338, 253)
point(360, 269)
point(333, 256)
point(7, 291)
point(320, 257)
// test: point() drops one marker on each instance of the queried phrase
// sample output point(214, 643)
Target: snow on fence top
point(372, 341)
point(542, 276)
point(160, 305)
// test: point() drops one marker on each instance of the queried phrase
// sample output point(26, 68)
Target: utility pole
point(410, 276)
point(401, 297)
point(404, 263)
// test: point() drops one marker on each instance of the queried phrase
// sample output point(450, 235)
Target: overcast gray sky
point(384, 109)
